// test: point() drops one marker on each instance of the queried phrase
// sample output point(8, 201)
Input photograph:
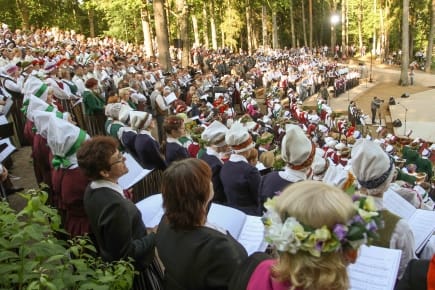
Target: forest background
point(376, 26)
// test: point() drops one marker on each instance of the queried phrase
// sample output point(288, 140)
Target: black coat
point(118, 228)
point(198, 259)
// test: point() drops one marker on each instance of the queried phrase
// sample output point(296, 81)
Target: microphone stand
point(406, 111)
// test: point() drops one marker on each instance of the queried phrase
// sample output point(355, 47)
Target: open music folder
point(422, 222)
point(376, 268)
point(247, 230)
point(135, 172)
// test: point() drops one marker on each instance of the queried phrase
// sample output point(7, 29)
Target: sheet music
point(8, 150)
point(398, 205)
point(135, 172)
point(420, 221)
point(252, 235)
point(375, 269)
point(151, 209)
point(3, 120)
point(422, 225)
point(228, 218)
point(170, 98)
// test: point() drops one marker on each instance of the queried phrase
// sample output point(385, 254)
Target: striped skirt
point(151, 278)
point(148, 186)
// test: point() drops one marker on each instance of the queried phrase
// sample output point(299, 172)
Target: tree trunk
point(205, 25)
point(428, 63)
point(304, 30)
point(183, 24)
point(310, 12)
point(146, 32)
point(195, 30)
point(264, 25)
point(405, 44)
point(91, 20)
point(25, 14)
point(275, 44)
point(292, 24)
point(248, 26)
point(162, 35)
point(213, 26)
point(360, 19)
point(343, 27)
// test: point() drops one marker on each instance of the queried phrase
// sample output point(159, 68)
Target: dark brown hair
point(94, 155)
point(172, 123)
point(90, 83)
point(186, 189)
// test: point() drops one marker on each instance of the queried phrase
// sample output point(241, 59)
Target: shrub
point(33, 257)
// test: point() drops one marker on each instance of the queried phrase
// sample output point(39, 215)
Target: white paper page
point(8, 150)
point(3, 120)
point(227, 218)
point(422, 225)
point(398, 205)
point(375, 269)
point(151, 209)
point(252, 235)
point(170, 98)
point(135, 172)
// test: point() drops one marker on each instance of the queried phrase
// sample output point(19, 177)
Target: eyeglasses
point(120, 158)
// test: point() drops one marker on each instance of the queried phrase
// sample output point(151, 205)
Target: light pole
point(334, 20)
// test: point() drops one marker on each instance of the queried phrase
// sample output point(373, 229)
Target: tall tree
point(264, 25)
point(213, 26)
point(162, 35)
point(147, 39)
point(248, 26)
point(183, 25)
point(428, 64)
point(304, 31)
point(405, 44)
point(292, 24)
point(310, 15)
point(205, 24)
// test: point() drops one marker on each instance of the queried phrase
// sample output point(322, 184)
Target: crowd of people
point(202, 131)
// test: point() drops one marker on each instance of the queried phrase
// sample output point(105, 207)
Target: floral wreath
point(292, 236)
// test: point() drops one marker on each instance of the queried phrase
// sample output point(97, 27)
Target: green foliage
point(32, 257)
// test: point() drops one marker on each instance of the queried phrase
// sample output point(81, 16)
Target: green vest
point(390, 222)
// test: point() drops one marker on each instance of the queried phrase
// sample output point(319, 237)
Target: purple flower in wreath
point(340, 231)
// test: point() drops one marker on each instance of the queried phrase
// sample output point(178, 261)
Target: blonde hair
point(314, 204)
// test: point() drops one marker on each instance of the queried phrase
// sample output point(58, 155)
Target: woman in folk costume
point(11, 83)
point(113, 125)
point(115, 221)
point(40, 151)
point(298, 152)
point(315, 231)
point(214, 136)
point(172, 148)
point(148, 154)
point(94, 108)
point(69, 182)
point(36, 87)
point(240, 179)
point(374, 171)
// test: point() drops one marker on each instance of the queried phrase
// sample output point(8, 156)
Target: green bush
point(33, 257)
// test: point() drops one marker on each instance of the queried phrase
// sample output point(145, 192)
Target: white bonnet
point(239, 138)
point(140, 120)
point(296, 149)
point(124, 113)
point(320, 163)
point(64, 139)
point(370, 164)
point(112, 110)
point(41, 120)
point(35, 86)
point(215, 134)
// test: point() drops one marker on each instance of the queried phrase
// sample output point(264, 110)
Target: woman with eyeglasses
point(115, 221)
